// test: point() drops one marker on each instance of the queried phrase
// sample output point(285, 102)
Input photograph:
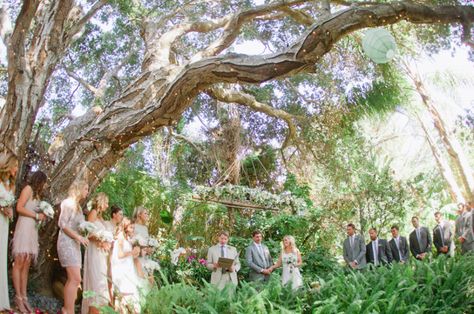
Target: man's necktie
point(222, 251)
point(376, 253)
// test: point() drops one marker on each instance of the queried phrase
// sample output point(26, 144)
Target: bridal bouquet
point(140, 241)
point(152, 242)
point(6, 199)
point(87, 228)
point(46, 209)
point(104, 236)
point(150, 266)
point(291, 262)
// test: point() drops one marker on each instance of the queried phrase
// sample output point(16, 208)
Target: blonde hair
point(99, 200)
point(124, 225)
point(291, 239)
point(137, 212)
point(74, 191)
point(8, 160)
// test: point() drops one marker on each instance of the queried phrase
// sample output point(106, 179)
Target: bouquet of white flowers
point(175, 255)
point(104, 236)
point(46, 209)
point(7, 199)
point(87, 228)
point(150, 266)
point(153, 242)
point(291, 261)
point(138, 240)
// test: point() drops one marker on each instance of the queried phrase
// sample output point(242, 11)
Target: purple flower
point(191, 258)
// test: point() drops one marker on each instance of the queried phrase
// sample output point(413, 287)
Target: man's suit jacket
point(404, 253)
point(458, 225)
point(257, 262)
point(467, 232)
point(356, 253)
point(442, 236)
point(384, 255)
point(220, 277)
point(424, 246)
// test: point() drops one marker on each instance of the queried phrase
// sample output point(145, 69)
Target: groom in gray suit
point(258, 259)
point(354, 249)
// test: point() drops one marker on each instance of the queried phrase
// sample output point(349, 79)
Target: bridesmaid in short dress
point(70, 240)
point(8, 170)
point(25, 239)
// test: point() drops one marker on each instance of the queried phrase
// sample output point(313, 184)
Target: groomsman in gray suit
point(377, 251)
point(258, 259)
point(399, 246)
point(221, 277)
point(467, 231)
point(459, 219)
point(354, 249)
point(442, 235)
point(420, 240)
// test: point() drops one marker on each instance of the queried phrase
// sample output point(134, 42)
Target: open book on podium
point(225, 263)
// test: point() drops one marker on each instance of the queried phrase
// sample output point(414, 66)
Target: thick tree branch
point(158, 49)
point(76, 28)
point(241, 98)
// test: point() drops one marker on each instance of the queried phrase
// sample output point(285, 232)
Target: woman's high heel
point(27, 305)
point(19, 305)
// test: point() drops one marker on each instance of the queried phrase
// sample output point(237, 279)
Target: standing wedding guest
point(459, 219)
point(25, 240)
point(258, 259)
point(354, 249)
point(420, 240)
point(378, 251)
point(290, 258)
point(70, 240)
point(467, 233)
point(116, 217)
point(399, 246)
point(220, 277)
point(95, 260)
point(442, 235)
point(8, 170)
point(124, 274)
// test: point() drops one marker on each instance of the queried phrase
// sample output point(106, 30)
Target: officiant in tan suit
point(221, 277)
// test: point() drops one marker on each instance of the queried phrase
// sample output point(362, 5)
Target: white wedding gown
point(290, 272)
point(124, 276)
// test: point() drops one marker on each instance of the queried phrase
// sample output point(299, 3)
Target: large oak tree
point(171, 74)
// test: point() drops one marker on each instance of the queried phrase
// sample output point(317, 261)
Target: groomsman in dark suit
point(377, 251)
point(354, 249)
point(459, 220)
point(420, 240)
point(399, 246)
point(442, 235)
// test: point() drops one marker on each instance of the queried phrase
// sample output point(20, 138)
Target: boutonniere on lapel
point(267, 251)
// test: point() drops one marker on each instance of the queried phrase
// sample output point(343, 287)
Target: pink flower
point(191, 258)
point(202, 261)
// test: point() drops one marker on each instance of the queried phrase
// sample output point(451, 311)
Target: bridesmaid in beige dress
point(95, 260)
point(25, 239)
point(70, 240)
point(8, 170)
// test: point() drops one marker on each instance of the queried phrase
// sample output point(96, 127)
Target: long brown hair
point(8, 160)
point(37, 182)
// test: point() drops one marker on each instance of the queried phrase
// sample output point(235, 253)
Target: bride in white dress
point(290, 259)
point(124, 276)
